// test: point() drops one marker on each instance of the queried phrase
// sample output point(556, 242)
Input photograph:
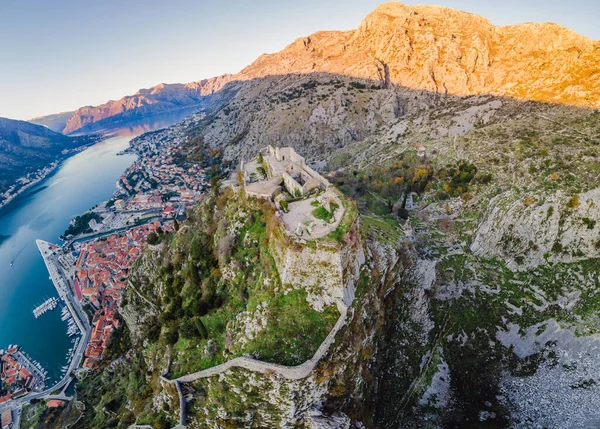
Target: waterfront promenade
point(63, 286)
point(65, 290)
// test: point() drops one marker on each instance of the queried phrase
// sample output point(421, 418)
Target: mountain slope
point(430, 48)
point(478, 301)
point(160, 99)
point(25, 147)
point(55, 122)
point(447, 51)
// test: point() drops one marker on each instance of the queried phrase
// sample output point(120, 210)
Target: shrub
point(153, 238)
point(358, 85)
point(573, 202)
point(484, 178)
point(589, 222)
point(201, 327)
point(188, 329)
point(172, 335)
point(322, 214)
point(528, 200)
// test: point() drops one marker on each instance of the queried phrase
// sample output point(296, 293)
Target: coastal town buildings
point(6, 419)
point(18, 375)
point(158, 188)
point(160, 177)
point(100, 277)
point(103, 324)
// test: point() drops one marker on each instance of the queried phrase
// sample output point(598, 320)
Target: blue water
point(43, 212)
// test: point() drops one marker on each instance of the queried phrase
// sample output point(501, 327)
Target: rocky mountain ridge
point(55, 122)
point(447, 51)
point(480, 225)
point(157, 100)
point(429, 48)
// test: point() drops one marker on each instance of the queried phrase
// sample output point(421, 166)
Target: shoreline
point(61, 278)
point(44, 173)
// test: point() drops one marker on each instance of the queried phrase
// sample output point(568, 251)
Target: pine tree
point(201, 328)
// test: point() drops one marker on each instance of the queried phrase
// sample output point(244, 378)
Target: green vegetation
point(385, 189)
point(284, 206)
point(115, 396)
point(590, 223)
point(458, 177)
point(80, 225)
point(573, 203)
point(293, 330)
point(323, 214)
point(200, 307)
point(37, 415)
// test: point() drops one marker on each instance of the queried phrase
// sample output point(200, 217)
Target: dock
point(48, 305)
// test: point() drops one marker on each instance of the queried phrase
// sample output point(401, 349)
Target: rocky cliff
point(476, 303)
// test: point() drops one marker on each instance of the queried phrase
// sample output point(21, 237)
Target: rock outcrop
point(561, 228)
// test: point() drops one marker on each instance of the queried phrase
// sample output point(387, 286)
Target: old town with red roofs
point(100, 277)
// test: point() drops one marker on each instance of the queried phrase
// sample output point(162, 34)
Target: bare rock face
point(561, 228)
point(451, 52)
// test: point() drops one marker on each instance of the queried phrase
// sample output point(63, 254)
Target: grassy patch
point(294, 330)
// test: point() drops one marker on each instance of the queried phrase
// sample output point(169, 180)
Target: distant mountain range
point(475, 307)
point(55, 122)
point(158, 100)
point(25, 147)
point(430, 48)
point(447, 51)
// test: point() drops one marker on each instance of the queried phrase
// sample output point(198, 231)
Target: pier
point(62, 284)
point(49, 304)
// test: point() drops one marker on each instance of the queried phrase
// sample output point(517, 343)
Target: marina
point(66, 316)
point(48, 305)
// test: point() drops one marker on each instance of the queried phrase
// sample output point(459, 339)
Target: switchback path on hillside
point(297, 372)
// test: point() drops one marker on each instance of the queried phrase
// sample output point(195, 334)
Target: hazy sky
point(58, 55)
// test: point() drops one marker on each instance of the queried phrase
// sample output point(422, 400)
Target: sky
point(60, 55)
